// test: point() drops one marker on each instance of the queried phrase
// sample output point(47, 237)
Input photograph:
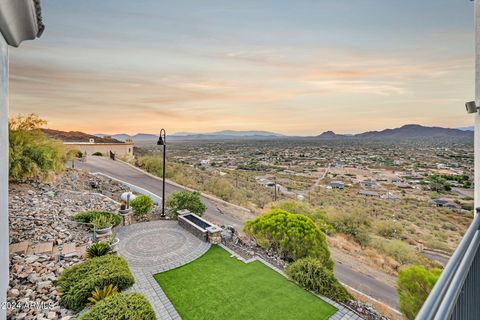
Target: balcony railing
point(456, 295)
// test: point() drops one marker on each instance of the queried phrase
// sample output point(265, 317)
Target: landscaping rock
point(39, 213)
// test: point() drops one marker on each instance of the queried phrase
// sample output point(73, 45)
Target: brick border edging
point(342, 310)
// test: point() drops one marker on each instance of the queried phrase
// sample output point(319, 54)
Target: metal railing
point(456, 294)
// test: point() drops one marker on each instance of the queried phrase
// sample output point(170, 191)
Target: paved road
point(116, 169)
point(367, 284)
point(124, 172)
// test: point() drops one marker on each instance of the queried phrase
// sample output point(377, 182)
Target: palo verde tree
point(293, 236)
point(32, 155)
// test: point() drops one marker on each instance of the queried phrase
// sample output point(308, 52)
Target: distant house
point(368, 193)
point(91, 147)
point(336, 185)
point(390, 196)
point(368, 183)
point(441, 203)
point(402, 185)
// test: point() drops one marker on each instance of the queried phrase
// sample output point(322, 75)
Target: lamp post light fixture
point(162, 141)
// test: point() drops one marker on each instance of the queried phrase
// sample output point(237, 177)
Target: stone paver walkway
point(153, 247)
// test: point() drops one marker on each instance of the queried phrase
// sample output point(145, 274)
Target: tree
point(414, 285)
point(293, 236)
point(32, 155)
point(190, 201)
point(299, 207)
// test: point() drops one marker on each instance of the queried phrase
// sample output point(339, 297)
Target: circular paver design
point(159, 245)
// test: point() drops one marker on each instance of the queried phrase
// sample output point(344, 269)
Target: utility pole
point(275, 181)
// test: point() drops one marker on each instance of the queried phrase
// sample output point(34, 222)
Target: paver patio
point(153, 247)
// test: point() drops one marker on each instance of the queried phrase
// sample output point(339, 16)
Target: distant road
point(119, 170)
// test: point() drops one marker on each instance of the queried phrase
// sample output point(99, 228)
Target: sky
point(294, 67)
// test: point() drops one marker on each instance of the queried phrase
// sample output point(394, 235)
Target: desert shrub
point(398, 250)
point(32, 155)
point(298, 207)
point(74, 154)
point(293, 236)
point(142, 205)
point(88, 216)
point(98, 249)
point(186, 200)
point(414, 285)
point(353, 223)
point(220, 187)
point(122, 306)
point(100, 294)
point(154, 165)
point(98, 153)
point(77, 282)
point(310, 274)
point(388, 229)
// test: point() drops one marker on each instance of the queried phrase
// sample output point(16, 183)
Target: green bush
point(186, 200)
point(353, 223)
point(32, 155)
point(299, 207)
point(310, 274)
point(414, 285)
point(77, 282)
point(142, 205)
point(293, 236)
point(121, 306)
point(89, 216)
point(98, 249)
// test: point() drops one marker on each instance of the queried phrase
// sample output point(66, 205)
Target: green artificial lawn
point(217, 286)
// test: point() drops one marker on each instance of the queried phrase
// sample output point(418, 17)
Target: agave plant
point(100, 294)
point(98, 249)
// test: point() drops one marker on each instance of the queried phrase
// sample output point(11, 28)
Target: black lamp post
point(162, 141)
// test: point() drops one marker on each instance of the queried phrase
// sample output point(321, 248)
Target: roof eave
point(20, 20)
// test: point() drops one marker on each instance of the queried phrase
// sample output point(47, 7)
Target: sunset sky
point(294, 67)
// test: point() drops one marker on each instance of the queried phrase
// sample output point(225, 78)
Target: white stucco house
point(19, 20)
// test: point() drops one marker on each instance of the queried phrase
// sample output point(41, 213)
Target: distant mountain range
point(409, 131)
point(470, 128)
point(76, 136)
point(226, 134)
point(405, 132)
